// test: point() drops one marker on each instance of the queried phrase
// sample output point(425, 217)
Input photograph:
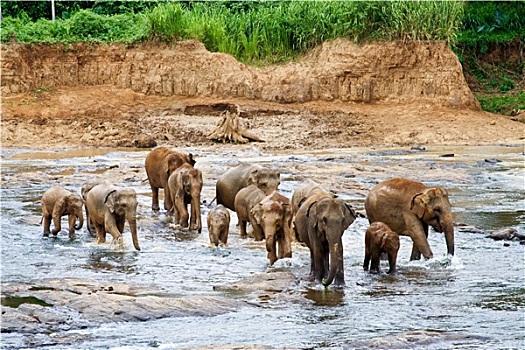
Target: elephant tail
point(213, 200)
point(41, 220)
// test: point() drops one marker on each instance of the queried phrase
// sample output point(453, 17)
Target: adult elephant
point(160, 163)
point(320, 223)
point(109, 208)
point(243, 175)
point(409, 208)
point(185, 186)
point(57, 202)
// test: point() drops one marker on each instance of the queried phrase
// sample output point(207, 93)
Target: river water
point(475, 300)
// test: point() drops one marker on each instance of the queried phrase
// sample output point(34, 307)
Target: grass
point(508, 104)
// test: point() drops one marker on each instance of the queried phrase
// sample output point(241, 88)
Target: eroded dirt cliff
point(338, 95)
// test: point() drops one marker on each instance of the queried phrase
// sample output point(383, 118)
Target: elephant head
point(174, 160)
point(274, 215)
point(122, 203)
point(433, 207)
point(267, 180)
point(329, 218)
point(70, 205)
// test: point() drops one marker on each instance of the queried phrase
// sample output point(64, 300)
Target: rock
point(78, 303)
point(492, 160)
point(144, 141)
point(505, 234)
point(447, 155)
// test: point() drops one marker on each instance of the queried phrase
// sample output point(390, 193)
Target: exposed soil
point(105, 112)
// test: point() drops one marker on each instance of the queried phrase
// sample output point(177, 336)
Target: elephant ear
point(110, 200)
point(60, 207)
point(192, 160)
point(419, 203)
point(253, 179)
point(350, 218)
point(287, 213)
point(384, 240)
point(311, 214)
point(257, 212)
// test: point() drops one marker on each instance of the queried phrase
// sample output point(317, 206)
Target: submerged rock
point(505, 234)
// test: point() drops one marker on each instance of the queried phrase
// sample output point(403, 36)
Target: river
point(476, 300)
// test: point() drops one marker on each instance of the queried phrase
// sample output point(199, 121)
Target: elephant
point(299, 196)
point(379, 239)
point(243, 175)
point(86, 187)
point(409, 208)
point(274, 215)
point(219, 225)
point(57, 202)
point(245, 200)
point(185, 186)
point(160, 163)
point(320, 223)
point(109, 208)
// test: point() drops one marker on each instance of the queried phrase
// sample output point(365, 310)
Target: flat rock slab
point(53, 305)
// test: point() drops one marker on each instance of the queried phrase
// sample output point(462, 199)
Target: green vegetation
point(258, 31)
point(263, 32)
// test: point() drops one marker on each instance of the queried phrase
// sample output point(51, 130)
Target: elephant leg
point(168, 202)
point(242, 227)
point(154, 198)
point(312, 265)
point(223, 237)
point(319, 263)
point(47, 225)
point(120, 224)
point(111, 227)
point(375, 261)
point(391, 263)
point(366, 262)
point(285, 244)
point(101, 233)
point(258, 233)
point(184, 216)
point(419, 233)
point(57, 224)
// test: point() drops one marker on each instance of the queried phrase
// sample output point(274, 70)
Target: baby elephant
point(380, 239)
point(245, 200)
point(219, 225)
point(185, 186)
point(57, 202)
point(274, 215)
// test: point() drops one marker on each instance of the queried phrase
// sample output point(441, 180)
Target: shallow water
point(474, 301)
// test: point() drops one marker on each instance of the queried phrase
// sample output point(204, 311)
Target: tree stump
point(229, 129)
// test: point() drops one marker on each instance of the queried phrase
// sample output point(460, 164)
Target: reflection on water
point(103, 260)
point(325, 297)
point(475, 300)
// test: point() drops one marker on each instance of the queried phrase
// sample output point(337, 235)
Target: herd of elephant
point(313, 216)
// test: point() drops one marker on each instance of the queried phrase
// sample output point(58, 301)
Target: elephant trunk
point(196, 212)
point(80, 218)
point(133, 229)
point(336, 265)
point(449, 235)
point(270, 248)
